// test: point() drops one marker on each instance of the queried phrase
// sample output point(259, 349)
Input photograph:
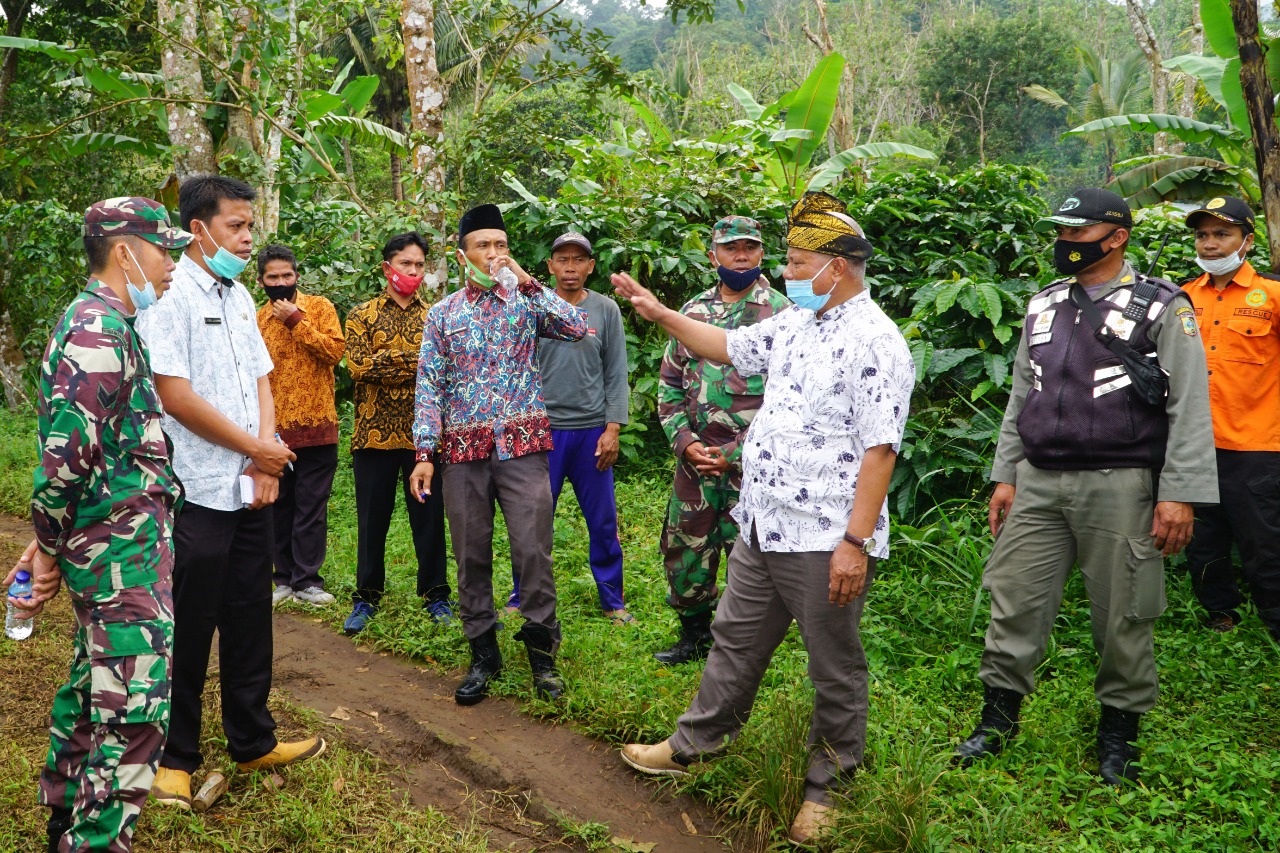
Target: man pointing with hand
point(816, 465)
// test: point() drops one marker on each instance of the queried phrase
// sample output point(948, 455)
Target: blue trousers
point(573, 458)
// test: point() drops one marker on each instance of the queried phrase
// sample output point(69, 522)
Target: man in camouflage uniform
point(102, 508)
point(705, 408)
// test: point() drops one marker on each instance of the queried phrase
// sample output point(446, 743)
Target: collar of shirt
point(103, 291)
point(198, 274)
point(475, 292)
point(1243, 277)
point(386, 299)
point(836, 313)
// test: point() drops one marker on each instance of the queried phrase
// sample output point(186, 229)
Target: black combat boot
point(694, 642)
point(59, 824)
point(486, 663)
point(998, 724)
point(1117, 755)
point(542, 660)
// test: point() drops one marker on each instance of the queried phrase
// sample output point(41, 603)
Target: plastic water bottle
point(17, 625)
point(506, 277)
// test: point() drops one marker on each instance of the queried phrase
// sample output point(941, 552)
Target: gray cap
point(575, 239)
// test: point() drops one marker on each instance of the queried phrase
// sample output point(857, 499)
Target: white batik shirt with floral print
point(838, 385)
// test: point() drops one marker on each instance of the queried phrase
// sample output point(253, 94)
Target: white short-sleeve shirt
point(208, 333)
point(838, 385)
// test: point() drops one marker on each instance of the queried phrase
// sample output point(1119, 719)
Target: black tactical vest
point(1081, 413)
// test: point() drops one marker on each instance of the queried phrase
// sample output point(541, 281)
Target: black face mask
point(1070, 258)
point(275, 292)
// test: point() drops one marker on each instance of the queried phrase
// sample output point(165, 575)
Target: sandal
point(620, 617)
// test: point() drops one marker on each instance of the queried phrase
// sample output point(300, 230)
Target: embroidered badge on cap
point(1215, 204)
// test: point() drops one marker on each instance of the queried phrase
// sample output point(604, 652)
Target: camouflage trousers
point(106, 737)
point(698, 528)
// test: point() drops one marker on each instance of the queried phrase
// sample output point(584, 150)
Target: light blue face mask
point(223, 264)
point(144, 298)
point(800, 291)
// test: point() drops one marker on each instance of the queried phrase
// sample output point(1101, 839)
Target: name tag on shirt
point(1042, 330)
point(213, 321)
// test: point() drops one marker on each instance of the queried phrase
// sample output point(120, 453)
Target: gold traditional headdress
point(818, 222)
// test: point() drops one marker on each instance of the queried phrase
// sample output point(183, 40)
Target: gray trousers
point(1103, 520)
point(770, 589)
point(522, 487)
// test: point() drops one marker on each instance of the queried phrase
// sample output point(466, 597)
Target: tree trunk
point(268, 214)
point(15, 13)
point(244, 129)
point(194, 153)
point(1146, 37)
point(841, 137)
point(426, 118)
point(12, 367)
point(397, 164)
point(1260, 102)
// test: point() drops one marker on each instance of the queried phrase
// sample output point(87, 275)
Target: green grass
point(1210, 755)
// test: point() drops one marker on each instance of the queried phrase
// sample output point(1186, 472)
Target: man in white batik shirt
point(813, 507)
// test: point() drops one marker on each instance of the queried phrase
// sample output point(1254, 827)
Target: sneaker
point(360, 616)
point(813, 820)
point(286, 753)
point(172, 788)
point(441, 613)
point(655, 760)
point(315, 595)
point(281, 593)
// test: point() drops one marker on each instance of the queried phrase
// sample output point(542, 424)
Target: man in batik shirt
point(102, 508)
point(479, 406)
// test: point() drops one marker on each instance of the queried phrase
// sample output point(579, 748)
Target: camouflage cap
point(732, 228)
point(141, 217)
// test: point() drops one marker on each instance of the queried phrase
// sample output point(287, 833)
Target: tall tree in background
point(1260, 102)
point(194, 152)
point(427, 96)
point(15, 15)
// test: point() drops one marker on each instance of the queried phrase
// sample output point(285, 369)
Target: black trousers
point(301, 517)
point(377, 473)
point(222, 563)
point(1248, 514)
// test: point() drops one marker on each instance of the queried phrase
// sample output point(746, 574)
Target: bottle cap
point(23, 577)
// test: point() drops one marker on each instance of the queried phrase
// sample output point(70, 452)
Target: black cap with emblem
point(1087, 206)
point(1228, 209)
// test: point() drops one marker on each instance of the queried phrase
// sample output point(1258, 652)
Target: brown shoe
point(656, 760)
point(812, 820)
point(286, 753)
point(172, 788)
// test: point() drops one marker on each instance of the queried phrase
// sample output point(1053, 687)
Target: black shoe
point(998, 724)
point(59, 824)
point(1117, 755)
point(694, 642)
point(547, 682)
point(486, 663)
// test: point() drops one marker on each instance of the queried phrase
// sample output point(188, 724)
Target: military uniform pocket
point(1144, 570)
point(129, 671)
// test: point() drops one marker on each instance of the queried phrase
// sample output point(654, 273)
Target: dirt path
point(489, 762)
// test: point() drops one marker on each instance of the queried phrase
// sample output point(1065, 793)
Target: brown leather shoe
point(172, 788)
point(656, 760)
point(286, 753)
point(812, 820)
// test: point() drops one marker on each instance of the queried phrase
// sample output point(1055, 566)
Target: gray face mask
point(1222, 266)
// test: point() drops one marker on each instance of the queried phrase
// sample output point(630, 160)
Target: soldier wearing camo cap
point(705, 408)
point(103, 507)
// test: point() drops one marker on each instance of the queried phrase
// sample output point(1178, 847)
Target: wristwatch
point(866, 546)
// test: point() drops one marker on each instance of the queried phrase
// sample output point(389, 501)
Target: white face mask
point(1222, 266)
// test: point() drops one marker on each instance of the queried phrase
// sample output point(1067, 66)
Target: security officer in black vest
point(1100, 461)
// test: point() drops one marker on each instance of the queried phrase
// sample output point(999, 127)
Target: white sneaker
point(281, 593)
point(315, 595)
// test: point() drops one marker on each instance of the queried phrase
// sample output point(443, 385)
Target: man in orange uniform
point(1236, 309)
